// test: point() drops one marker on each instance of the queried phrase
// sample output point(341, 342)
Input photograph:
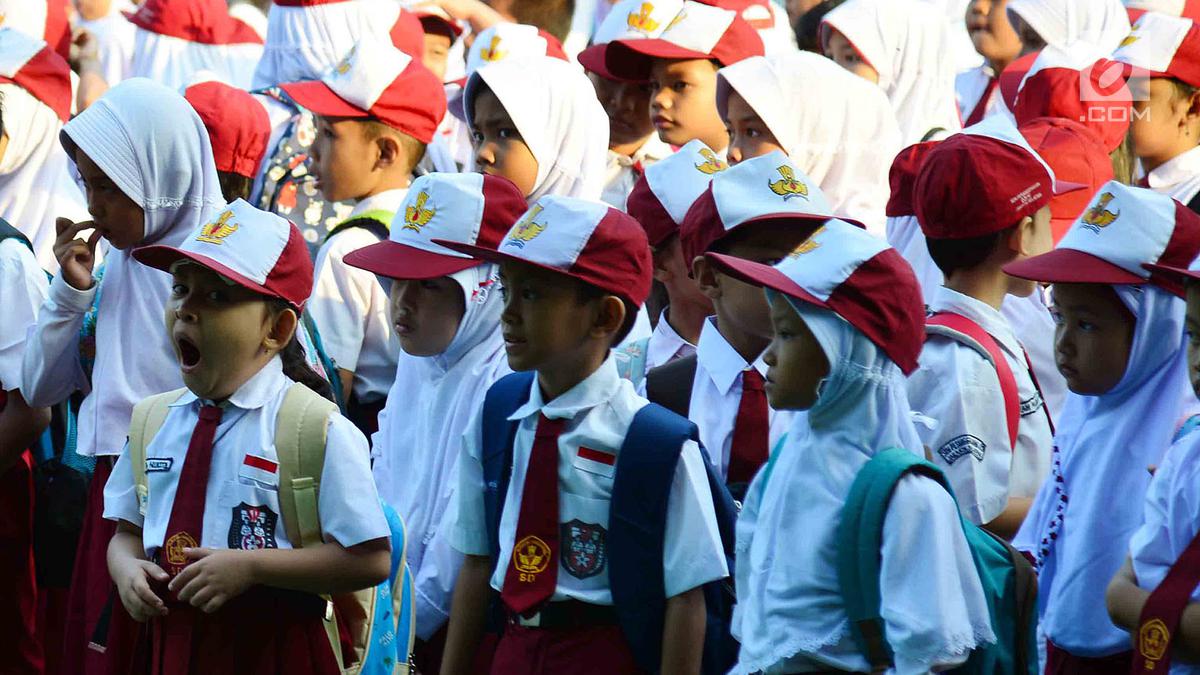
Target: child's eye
point(503, 292)
point(680, 86)
point(1087, 326)
point(509, 133)
point(528, 294)
point(216, 296)
point(654, 86)
point(783, 334)
point(178, 290)
point(1056, 316)
point(476, 136)
point(753, 133)
point(429, 285)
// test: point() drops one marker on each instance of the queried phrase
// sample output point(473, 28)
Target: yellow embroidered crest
point(711, 164)
point(493, 52)
point(1099, 216)
point(531, 557)
point(1129, 39)
point(1153, 640)
point(809, 245)
point(788, 186)
point(347, 61)
point(641, 21)
point(216, 231)
point(173, 548)
point(674, 22)
point(417, 216)
point(525, 231)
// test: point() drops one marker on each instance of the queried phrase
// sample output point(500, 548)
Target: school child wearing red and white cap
point(239, 130)
point(1165, 126)
point(1120, 345)
point(1186, 8)
point(633, 144)
point(445, 307)
point(978, 89)
point(766, 107)
point(848, 325)
point(551, 540)
point(982, 199)
point(204, 550)
point(376, 111)
point(680, 65)
point(174, 40)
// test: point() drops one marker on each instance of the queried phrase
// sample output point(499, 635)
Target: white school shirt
point(23, 289)
point(114, 35)
point(350, 306)
point(1178, 177)
point(959, 389)
point(620, 176)
point(600, 410)
point(241, 500)
point(717, 393)
point(665, 344)
point(969, 87)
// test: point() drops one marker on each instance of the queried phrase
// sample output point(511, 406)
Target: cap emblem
point(216, 231)
point(711, 164)
point(417, 216)
point(493, 52)
point(787, 186)
point(641, 21)
point(1099, 216)
point(526, 230)
point(347, 61)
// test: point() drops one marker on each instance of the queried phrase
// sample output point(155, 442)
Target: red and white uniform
point(176, 39)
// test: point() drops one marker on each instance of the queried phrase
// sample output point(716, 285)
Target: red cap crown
point(1076, 155)
point(204, 21)
point(237, 124)
point(903, 176)
point(662, 196)
point(1074, 85)
point(1163, 46)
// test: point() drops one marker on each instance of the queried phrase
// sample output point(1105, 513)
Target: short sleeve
point(692, 550)
point(349, 504)
point(120, 493)
point(23, 289)
point(341, 298)
point(465, 517)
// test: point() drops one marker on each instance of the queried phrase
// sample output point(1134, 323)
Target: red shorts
point(18, 586)
point(1061, 662)
point(600, 650)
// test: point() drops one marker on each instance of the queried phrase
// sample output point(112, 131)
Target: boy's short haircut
point(588, 293)
point(234, 186)
point(1182, 90)
point(552, 16)
point(413, 149)
point(952, 255)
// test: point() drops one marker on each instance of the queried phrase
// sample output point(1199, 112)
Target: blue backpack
point(637, 522)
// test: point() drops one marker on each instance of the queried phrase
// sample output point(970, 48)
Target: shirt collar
point(988, 318)
point(592, 391)
point(1175, 170)
point(664, 343)
point(651, 151)
point(388, 200)
point(254, 392)
point(720, 360)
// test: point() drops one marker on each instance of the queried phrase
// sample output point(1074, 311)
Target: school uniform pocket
point(259, 471)
point(583, 540)
point(598, 462)
point(253, 515)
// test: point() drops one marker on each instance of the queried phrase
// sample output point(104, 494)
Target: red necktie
point(533, 569)
point(751, 431)
point(187, 513)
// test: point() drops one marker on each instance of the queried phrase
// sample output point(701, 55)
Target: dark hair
point(588, 293)
point(295, 361)
point(808, 26)
point(1183, 90)
point(951, 255)
point(552, 16)
point(234, 186)
point(413, 149)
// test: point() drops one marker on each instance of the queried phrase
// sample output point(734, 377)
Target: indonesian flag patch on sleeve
point(260, 469)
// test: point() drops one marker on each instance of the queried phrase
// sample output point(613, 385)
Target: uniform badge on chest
point(252, 528)
point(584, 550)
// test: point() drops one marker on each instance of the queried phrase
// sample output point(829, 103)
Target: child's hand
point(133, 585)
point(75, 256)
point(213, 578)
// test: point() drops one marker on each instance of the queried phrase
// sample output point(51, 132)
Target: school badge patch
point(584, 550)
point(252, 528)
point(962, 446)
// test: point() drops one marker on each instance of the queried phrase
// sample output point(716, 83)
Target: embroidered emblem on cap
point(531, 556)
point(1129, 39)
point(1098, 216)
point(417, 216)
point(347, 61)
point(1153, 638)
point(711, 164)
point(493, 52)
point(216, 231)
point(787, 186)
point(808, 245)
point(641, 21)
point(526, 230)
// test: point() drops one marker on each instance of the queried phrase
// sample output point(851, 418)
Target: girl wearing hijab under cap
point(146, 161)
point(837, 128)
point(840, 352)
point(1062, 23)
point(175, 39)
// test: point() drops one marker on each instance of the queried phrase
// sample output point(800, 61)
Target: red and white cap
point(511, 40)
point(1075, 154)
point(585, 240)
point(1055, 87)
point(1165, 46)
point(858, 276)
point(1186, 8)
point(468, 208)
point(435, 21)
point(903, 176)
point(767, 187)
point(376, 80)
point(698, 31)
point(983, 180)
point(254, 249)
point(237, 124)
point(203, 21)
point(32, 65)
point(662, 196)
point(1123, 229)
point(628, 20)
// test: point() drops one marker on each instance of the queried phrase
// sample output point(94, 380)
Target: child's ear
point(706, 278)
point(609, 317)
point(659, 258)
point(282, 330)
point(1022, 238)
point(389, 151)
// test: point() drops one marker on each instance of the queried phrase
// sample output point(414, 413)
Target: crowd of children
point(599, 336)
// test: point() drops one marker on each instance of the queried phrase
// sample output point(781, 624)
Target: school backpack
point(378, 621)
point(963, 330)
point(636, 524)
point(1009, 582)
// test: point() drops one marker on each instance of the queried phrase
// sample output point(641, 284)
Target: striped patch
point(597, 456)
point(260, 469)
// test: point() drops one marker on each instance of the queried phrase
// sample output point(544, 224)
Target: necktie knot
point(752, 380)
point(210, 413)
point(549, 428)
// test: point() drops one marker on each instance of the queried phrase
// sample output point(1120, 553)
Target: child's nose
point(735, 155)
point(485, 154)
point(661, 100)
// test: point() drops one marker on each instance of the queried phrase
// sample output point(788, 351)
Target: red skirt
point(1062, 662)
point(601, 650)
point(18, 585)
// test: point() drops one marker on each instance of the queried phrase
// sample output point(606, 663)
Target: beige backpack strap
point(148, 417)
point(300, 432)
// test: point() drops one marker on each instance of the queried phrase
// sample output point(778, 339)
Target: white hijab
point(35, 179)
point(836, 127)
point(175, 62)
point(789, 607)
point(417, 446)
point(554, 106)
point(1061, 23)
point(1104, 445)
point(908, 43)
point(152, 144)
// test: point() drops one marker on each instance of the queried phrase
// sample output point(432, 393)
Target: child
point(573, 274)
point(1063, 23)
point(202, 548)
point(1165, 126)
point(239, 130)
point(441, 34)
point(1120, 346)
point(848, 324)
point(35, 182)
point(901, 45)
point(758, 210)
point(983, 200)
point(110, 34)
point(446, 310)
point(681, 64)
point(837, 127)
point(145, 159)
point(376, 112)
point(175, 39)
point(977, 89)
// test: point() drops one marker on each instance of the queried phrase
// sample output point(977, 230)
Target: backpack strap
point(7, 231)
point(148, 417)
point(301, 428)
point(377, 222)
point(960, 328)
point(670, 385)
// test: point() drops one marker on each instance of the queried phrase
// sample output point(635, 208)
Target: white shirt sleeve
point(692, 551)
point(465, 517)
point(50, 370)
point(120, 493)
point(348, 503)
point(23, 290)
point(434, 581)
point(341, 297)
